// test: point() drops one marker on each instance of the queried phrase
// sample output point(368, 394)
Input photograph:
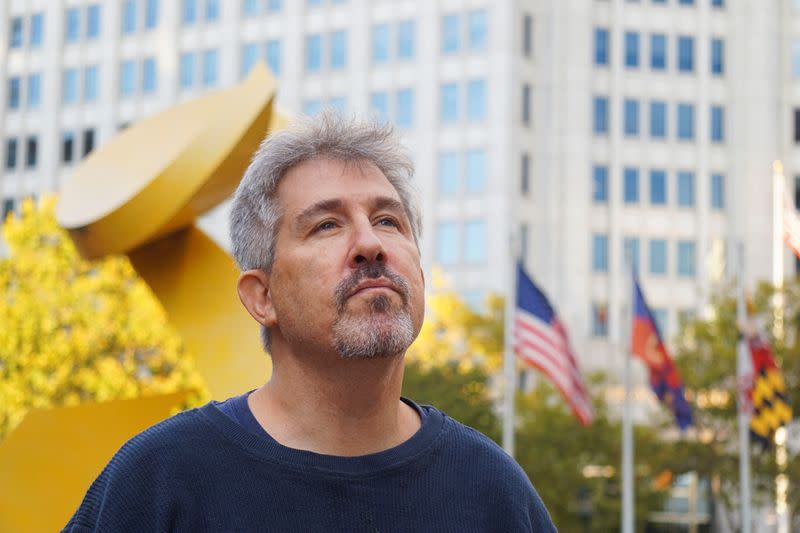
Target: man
point(325, 228)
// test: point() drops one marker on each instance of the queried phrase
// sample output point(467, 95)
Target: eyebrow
point(310, 213)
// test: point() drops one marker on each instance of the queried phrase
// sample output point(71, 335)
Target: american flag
point(791, 228)
point(541, 341)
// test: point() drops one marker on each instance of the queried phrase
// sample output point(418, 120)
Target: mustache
point(372, 270)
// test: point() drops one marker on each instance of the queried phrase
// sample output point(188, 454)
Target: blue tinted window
point(212, 10)
point(249, 57)
point(338, 104)
point(476, 100)
point(11, 158)
point(658, 187)
point(380, 43)
point(658, 256)
point(250, 7)
point(631, 49)
point(600, 46)
point(406, 31)
point(151, 14)
point(69, 87)
point(686, 258)
point(658, 120)
point(630, 253)
point(313, 53)
point(685, 121)
point(717, 191)
point(475, 241)
point(129, 16)
point(17, 32)
point(631, 118)
point(189, 12)
point(599, 320)
point(717, 124)
point(405, 108)
point(526, 104)
point(37, 30)
point(149, 75)
point(476, 171)
point(274, 56)
point(658, 51)
point(34, 90)
point(685, 54)
point(686, 2)
point(127, 78)
point(209, 68)
point(338, 49)
point(448, 173)
point(93, 21)
point(187, 67)
point(686, 189)
point(599, 252)
point(477, 29)
point(447, 243)
point(630, 185)
point(274, 5)
point(311, 107)
point(379, 105)
point(717, 56)
point(450, 34)
point(717, 3)
point(600, 184)
point(72, 21)
point(90, 84)
point(13, 93)
point(600, 115)
point(314, 3)
point(448, 100)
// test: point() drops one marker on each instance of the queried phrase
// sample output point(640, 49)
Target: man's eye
point(388, 221)
point(325, 226)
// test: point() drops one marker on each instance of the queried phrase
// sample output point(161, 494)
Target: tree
point(76, 331)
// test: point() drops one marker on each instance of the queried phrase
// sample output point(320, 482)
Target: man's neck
point(347, 408)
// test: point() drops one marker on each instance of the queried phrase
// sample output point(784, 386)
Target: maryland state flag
point(771, 408)
point(646, 343)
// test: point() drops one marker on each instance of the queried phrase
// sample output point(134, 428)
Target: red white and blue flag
point(541, 341)
point(646, 343)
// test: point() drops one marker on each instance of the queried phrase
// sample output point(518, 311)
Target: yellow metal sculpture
point(140, 195)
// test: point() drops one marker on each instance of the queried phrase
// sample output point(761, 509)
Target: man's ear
point(253, 288)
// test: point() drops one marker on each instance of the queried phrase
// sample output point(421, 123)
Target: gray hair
point(255, 213)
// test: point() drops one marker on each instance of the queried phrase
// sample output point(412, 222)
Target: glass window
point(69, 89)
point(600, 252)
point(312, 107)
point(630, 187)
point(34, 90)
point(16, 32)
point(274, 56)
point(151, 14)
point(406, 31)
point(67, 146)
point(338, 49)
point(686, 121)
point(631, 49)
point(88, 141)
point(338, 104)
point(314, 3)
point(249, 57)
point(127, 78)
point(189, 12)
point(448, 100)
point(526, 105)
point(477, 29)
point(209, 68)
point(686, 2)
point(8, 207)
point(380, 43)
point(686, 189)
point(658, 187)
point(11, 153)
point(129, 16)
point(250, 7)
point(717, 191)
point(149, 75)
point(14, 88)
point(717, 124)
point(686, 258)
point(658, 51)
point(405, 108)
point(313, 53)
point(447, 243)
point(37, 30)
point(718, 56)
point(476, 171)
point(450, 34)
point(601, 46)
point(448, 173)
point(379, 105)
point(525, 172)
point(527, 36)
point(187, 67)
point(476, 100)
point(600, 115)
point(630, 253)
point(90, 84)
point(212, 10)
point(685, 54)
point(600, 184)
point(274, 5)
point(72, 21)
point(475, 241)
point(631, 118)
point(599, 320)
point(658, 120)
point(658, 256)
point(717, 3)
point(31, 151)
point(93, 21)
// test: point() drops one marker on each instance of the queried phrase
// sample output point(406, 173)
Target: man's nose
point(367, 246)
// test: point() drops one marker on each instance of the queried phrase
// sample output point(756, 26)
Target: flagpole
point(744, 415)
point(627, 418)
point(509, 361)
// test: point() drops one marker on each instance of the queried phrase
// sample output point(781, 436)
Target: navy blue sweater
point(202, 471)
